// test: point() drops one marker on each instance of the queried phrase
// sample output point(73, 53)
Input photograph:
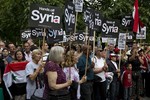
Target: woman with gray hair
point(54, 77)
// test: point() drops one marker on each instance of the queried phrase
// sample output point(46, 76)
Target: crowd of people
point(76, 72)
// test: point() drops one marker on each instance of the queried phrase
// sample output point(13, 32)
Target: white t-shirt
point(31, 85)
point(99, 63)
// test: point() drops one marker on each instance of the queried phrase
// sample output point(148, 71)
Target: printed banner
point(45, 16)
point(53, 36)
point(25, 34)
point(127, 22)
point(88, 15)
point(110, 29)
point(141, 34)
point(78, 37)
point(37, 33)
point(70, 17)
point(78, 5)
point(31, 33)
point(97, 21)
point(122, 41)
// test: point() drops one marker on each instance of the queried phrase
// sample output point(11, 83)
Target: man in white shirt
point(27, 52)
point(99, 71)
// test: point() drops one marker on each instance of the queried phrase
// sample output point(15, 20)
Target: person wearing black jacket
point(113, 67)
point(2, 85)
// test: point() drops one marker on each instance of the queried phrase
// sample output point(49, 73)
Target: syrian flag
point(137, 22)
point(14, 73)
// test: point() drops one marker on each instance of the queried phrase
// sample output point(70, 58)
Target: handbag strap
point(36, 84)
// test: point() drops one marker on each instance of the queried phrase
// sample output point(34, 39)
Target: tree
point(14, 13)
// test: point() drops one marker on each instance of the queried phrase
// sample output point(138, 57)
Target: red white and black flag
point(137, 22)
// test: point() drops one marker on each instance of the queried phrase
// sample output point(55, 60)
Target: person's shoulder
point(30, 63)
point(51, 66)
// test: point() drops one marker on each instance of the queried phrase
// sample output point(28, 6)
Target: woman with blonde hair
point(71, 71)
point(34, 70)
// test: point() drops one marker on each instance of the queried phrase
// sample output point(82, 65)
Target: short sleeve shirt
point(31, 84)
point(61, 77)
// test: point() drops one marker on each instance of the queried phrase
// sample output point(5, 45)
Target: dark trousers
point(100, 90)
point(114, 88)
point(147, 85)
point(86, 90)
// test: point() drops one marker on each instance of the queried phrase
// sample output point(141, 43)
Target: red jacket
point(127, 78)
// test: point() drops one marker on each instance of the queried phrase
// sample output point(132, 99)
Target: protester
point(126, 79)
point(100, 67)
point(78, 52)
point(136, 70)
point(110, 49)
point(113, 67)
point(144, 69)
point(45, 50)
point(2, 45)
point(71, 71)
point(12, 49)
point(54, 77)
point(18, 87)
point(147, 86)
point(34, 70)
point(3, 64)
point(32, 45)
point(27, 51)
point(87, 87)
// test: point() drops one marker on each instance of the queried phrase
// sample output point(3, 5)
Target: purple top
point(61, 77)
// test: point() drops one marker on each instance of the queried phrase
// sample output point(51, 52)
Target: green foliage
point(14, 14)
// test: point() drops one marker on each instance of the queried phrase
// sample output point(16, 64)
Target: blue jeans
point(127, 93)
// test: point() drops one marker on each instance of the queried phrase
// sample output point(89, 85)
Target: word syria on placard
point(36, 15)
point(69, 18)
point(126, 22)
point(107, 29)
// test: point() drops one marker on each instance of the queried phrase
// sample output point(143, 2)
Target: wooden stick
point(70, 57)
point(75, 27)
point(119, 59)
point(94, 44)
point(71, 43)
point(86, 65)
point(86, 32)
point(39, 43)
point(43, 44)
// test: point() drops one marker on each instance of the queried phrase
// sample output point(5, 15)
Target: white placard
point(122, 41)
point(111, 41)
point(78, 5)
point(142, 34)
